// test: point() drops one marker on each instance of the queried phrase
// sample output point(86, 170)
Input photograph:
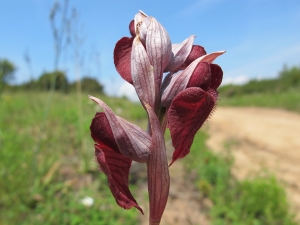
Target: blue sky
point(260, 36)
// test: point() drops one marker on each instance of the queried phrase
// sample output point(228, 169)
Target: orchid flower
point(182, 102)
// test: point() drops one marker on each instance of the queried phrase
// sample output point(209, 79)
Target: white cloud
point(128, 91)
point(239, 80)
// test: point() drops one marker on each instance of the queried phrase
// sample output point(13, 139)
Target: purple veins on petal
point(122, 58)
point(158, 172)
point(187, 113)
point(102, 133)
point(179, 81)
point(116, 168)
point(180, 53)
point(159, 47)
point(112, 162)
point(196, 52)
point(142, 73)
point(124, 133)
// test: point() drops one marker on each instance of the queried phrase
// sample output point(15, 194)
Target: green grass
point(281, 92)
point(47, 161)
point(289, 100)
point(47, 167)
point(258, 201)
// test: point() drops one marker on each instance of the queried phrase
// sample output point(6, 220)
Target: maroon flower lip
point(182, 102)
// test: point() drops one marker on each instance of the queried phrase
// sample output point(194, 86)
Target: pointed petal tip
point(218, 52)
point(144, 14)
point(94, 99)
point(91, 97)
point(140, 209)
point(116, 167)
point(172, 162)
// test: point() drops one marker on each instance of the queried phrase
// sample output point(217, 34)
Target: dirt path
point(260, 139)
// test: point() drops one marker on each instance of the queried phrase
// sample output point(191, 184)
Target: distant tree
point(29, 86)
point(91, 85)
point(88, 85)
point(7, 70)
point(290, 77)
point(58, 77)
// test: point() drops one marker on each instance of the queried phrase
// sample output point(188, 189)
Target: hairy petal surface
point(142, 73)
point(158, 171)
point(180, 81)
point(181, 52)
point(122, 57)
point(186, 115)
point(116, 168)
point(137, 149)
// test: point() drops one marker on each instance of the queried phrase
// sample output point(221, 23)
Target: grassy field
point(282, 92)
point(47, 168)
point(289, 100)
point(47, 164)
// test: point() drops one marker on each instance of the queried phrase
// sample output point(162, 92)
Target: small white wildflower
point(87, 201)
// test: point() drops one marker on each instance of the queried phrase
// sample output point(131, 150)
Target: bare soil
point(260, 139)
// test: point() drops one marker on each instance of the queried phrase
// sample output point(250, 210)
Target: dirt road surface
point(260, 139)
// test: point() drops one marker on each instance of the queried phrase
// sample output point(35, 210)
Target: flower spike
point(183, 101)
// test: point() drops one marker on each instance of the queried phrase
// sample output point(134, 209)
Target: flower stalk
point(182, 102)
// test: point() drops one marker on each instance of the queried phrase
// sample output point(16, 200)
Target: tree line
point(288, 80)
point(54, 80)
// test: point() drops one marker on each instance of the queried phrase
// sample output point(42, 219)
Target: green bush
point(282, 92)
point(56, 80)
point(288, 80)
point(88, 85)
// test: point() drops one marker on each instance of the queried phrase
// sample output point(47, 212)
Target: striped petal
point(180, 81)
point(122, 57)
point(158, 171)
point(132, 141)
point(116, 168)
point(142, 73)
point(186, 115)
point(180, 53)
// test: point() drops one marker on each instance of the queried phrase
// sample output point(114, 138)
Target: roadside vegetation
point(282, 92)
point(257, 201)
point(47, 167)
